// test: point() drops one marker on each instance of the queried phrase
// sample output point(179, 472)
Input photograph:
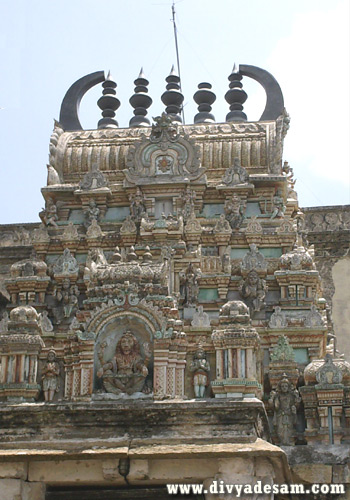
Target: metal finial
point(140, 101)
point(108, 103)
point(172, 97)
point(204, 97)
point(236, 97)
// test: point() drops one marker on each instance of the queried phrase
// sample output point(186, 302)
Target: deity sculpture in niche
point(189, 286)
point(234, 211)
point(92, 213)
point(188, 200)
point(50, 376)
point(137, 206)
point(126, 372)
point(253, 289)
point(200, 368)
point(284, 402)
point(67, 297)
point(278, 206)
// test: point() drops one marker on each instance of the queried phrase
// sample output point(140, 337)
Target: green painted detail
point(271, 252)
point(81, 258)
point(116, 214)
point(238, 253)
point(301, 355)
point(282, 351)
point(50, 259)
point(76, 215)
point(208, 294)
point(253, 208)
point(212, 210)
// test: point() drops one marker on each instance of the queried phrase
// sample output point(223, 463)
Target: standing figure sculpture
point(189, 286)
point(49, 214)
point(200, 368)
point(92, 213)
point(126, 372)
point(234, 211)
point(50, 376)
point(253, 289)
point(137, 206)
point(284, 402)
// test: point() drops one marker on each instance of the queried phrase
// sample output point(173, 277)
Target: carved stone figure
point(222, 225)
point(235, 174)
point(166, 155)
point(128, 226)
point(188, 199)
point(93, 179)
point(125, 373)
point(66, 264)
point(283, 350)
point(200, 368)
point(50, 376)
point(45, 322)
point(313, 318)
point(253, 259)
point(189, 287)
point(278, 206)
point(329, 373)
point(40, 235)
point(22, 236)
point(137, 206)
point(146, 223)
point(49, 214)
point(253, 289)
point(278, 319)
point(94, 231)
point(70, 232)
point(200, 318)
point(67, 296)
point(234, 211)
point(284, 402)
point(91, 213)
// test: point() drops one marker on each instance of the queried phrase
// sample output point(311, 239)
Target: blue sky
point(45, 46)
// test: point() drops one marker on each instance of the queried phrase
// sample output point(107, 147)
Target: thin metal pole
point(177, 54)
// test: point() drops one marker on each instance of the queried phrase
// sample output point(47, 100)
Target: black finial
point(204, 97)
point(108, 103)
point(172, 97)
point(140, 101)
point(236, 97)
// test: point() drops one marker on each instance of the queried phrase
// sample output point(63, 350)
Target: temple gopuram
point(174, 316)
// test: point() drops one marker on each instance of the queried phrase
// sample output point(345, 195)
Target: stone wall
point(329, 232)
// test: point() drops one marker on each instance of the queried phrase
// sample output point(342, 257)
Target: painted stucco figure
point(126, 372)
point(200, 368)
point(50, 376)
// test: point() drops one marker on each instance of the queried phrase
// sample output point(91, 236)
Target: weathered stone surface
point(312, 473)
point(33, 491)
point(11, 489)
point(14, 470)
